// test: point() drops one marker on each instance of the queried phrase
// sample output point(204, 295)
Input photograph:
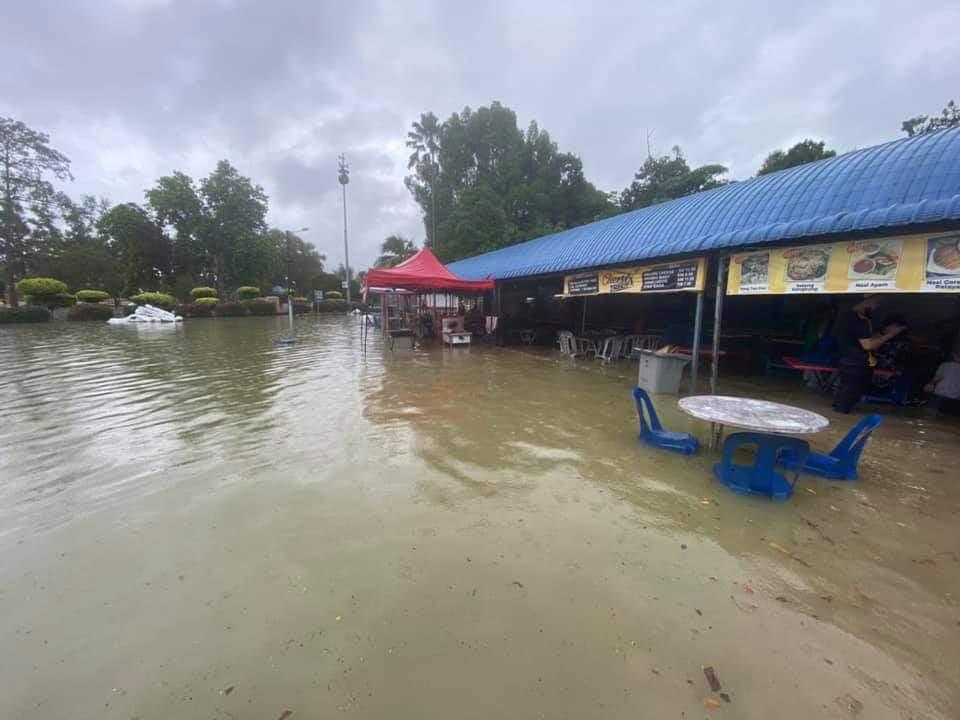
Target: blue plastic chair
point(653, 433)
point(841, 463)
point(760, 478)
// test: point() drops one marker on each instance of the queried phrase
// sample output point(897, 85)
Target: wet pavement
point(197, 523)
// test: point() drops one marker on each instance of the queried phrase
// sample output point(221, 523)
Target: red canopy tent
point(422, 273)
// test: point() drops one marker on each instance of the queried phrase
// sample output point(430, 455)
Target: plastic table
point(762, 415)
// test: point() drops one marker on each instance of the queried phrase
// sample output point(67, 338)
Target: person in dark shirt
point(857, 344)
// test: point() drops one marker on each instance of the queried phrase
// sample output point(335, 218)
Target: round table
point(762, 415)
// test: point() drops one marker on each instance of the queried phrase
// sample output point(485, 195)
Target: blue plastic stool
point(841, 463)
point(654, 434)
point(760, 478)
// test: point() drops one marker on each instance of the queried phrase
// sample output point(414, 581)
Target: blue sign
point(318, 294)
point(277, 290)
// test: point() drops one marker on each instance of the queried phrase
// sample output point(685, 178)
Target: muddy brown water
point(196, 523)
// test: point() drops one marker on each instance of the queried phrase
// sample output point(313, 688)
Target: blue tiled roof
point(895, 185)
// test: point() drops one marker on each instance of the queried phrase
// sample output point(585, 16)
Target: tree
point(477, 224)
point(394, 250)
point(26, 161)
point(949, 117)
point(290, 254)
point(425, 140)
point(141, 249)
point(668, 177)
point(178, 208)
point(219, 229)
point(517, 185)
point(234, 227)
point(82, 257)
point(802, 153)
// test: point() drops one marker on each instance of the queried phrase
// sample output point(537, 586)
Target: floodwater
point(196, 523)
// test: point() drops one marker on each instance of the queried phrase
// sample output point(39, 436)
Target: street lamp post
point(343, 176)
point(288, 234)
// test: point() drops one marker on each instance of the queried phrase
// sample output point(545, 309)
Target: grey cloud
point(132, 89)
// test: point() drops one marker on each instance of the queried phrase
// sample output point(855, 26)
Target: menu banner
point(680, 276)
point(915, 263)
point(582, 284)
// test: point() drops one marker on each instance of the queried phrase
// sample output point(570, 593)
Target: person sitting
point(945, 387)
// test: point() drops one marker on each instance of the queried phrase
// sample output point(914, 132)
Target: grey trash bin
point(661, 373)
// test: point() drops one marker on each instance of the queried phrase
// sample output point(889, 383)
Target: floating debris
point(712, 678)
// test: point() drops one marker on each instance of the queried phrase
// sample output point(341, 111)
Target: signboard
point(684, 275)
point(677, 276)
point(343, 284)
point(916, 263)
point(582, 284)
point(318, 295)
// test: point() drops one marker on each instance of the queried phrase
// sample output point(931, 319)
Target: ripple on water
point(100, 415)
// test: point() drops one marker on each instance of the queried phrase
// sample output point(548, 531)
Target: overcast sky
point(133, 89)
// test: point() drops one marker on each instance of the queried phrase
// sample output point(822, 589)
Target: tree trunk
point(10, 285)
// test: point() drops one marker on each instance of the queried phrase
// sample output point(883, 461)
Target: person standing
point(857, 344)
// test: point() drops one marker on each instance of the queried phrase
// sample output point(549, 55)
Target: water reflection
point(201, 502)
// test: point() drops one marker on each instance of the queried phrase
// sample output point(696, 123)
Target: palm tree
point(394, 250)
point(425, 140)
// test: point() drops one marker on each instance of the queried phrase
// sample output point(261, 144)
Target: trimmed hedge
point(41, 287)
point(196, 309)
point(260, 307)
point(90, 311)
point(59, 300)
point(203, 292)
point(331, 306)
point(92, 296)
point(207, 300)
point(160, 300)
point(248, 292)
point(24, 314)
point(333, 295)
point(300, 307)
point(231, 309)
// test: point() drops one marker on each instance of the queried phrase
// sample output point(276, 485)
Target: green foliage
point(248, 292)
point(219, 226)
point(231, 309)
point(59, 300)
point(333, 295)
point(41, 287)
point(26, 197)
point(478, 223)
point(143, 252)
point(78, 253)
point(92, 296)
point(394, 250)
point(326, 281)
point(300, 307)
point(24, 314)
point(90, 311)
point(949, 117)
point(332, 306)
point(802, 153)
point(203, 292)
point(667, 177)
point(480, 171)
point(157, 299)
point(260, 307)
point(290, 252)
point(207, 300)
point(196, 309)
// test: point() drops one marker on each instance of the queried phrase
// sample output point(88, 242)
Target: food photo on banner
point(917, 263)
